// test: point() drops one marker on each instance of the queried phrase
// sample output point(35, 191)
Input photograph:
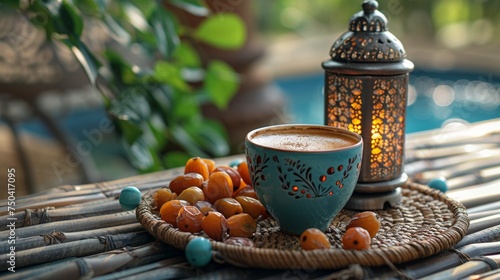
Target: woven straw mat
point(425, 223)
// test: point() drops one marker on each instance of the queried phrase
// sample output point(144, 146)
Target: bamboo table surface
point(81, 231)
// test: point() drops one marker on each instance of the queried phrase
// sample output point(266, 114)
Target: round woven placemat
point(425, 223)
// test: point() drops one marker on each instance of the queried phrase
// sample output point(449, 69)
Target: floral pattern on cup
point(297, 179)
point(256, 166)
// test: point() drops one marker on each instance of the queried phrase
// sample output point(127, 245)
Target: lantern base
point(380, 187)
point(374, 201)
point(378, 195)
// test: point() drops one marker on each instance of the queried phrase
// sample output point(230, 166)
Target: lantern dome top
point(368, 20)
point(368, 39)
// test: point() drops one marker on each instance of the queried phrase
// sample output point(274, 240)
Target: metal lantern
point(366, 84)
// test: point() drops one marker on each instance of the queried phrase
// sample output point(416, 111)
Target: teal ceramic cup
point(303, 174)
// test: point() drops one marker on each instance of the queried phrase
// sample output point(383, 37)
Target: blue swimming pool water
point(434, 99)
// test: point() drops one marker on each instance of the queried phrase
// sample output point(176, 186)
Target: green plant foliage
point(229, 30)
point(209, 135)
point(156, 106)
point(168, 73)
point(195, 7)
point(221, 83)
point(175, 158)
point(186, 56)
point(142, 157)
point(85, 57)
point(165, 31)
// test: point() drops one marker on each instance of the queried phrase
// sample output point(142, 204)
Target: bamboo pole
point(490, 275)
point(59, 202)
point(442, 137)
point(77, 197)
point(174, 270)
point(484, 214)
point(442, 261)
point(477, 195)
point(30, 217)
point(484, 207)
point(486, 235)
point(111, 261)
point(74, 225)
point(479, 265)
point(75, 249)
point(483, 223)
point(57, 237)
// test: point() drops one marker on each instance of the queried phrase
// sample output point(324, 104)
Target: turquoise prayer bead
point(130, 197)
point(199, 251)
point(438, 184)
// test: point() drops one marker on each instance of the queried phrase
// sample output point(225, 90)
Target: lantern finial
point(368, 20)
point(369, 6)
point(368, 39)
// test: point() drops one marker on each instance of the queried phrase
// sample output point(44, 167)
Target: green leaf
point(182, 138)
point(142, 157)
point(130, 111)
point(158, 130)
point(168, 73)
point(221, 83)
point(122, 71)
point(194, 7)
point(225, 31)
point(115, 28)
point(10, 4)
point(70, 18)
point(160, 99)
point(146, 7)
point(186, 107)
point(88, 61)
point(186, 56)
point(130, 131)
point(164, 28)
point(175, 159)
point(88, 7)
point(157, 163)
point(210, 137)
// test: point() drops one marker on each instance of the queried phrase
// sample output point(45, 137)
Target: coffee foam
point(303, 139)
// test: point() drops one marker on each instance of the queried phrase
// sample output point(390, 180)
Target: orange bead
point(233, 173)
point(241, 225)
point(189, 219)
point(228, 206)
point(356, 238)
point(219, 185)
point(246, 191)
point(192, 195)
point(367, 220)
point(244, 172)
point(170, 209)
point(163, 195)
point(251, 206)
point(204, 206)
point(197, 165)
point(184, 181)
point(313, 238)
point(215, 225)
point(210, 164)
point(243, 184)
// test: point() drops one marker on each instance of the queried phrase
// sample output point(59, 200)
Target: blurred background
point(56, 128)
point(453, 44)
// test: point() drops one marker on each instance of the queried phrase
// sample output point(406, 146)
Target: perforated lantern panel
point(374, 107)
